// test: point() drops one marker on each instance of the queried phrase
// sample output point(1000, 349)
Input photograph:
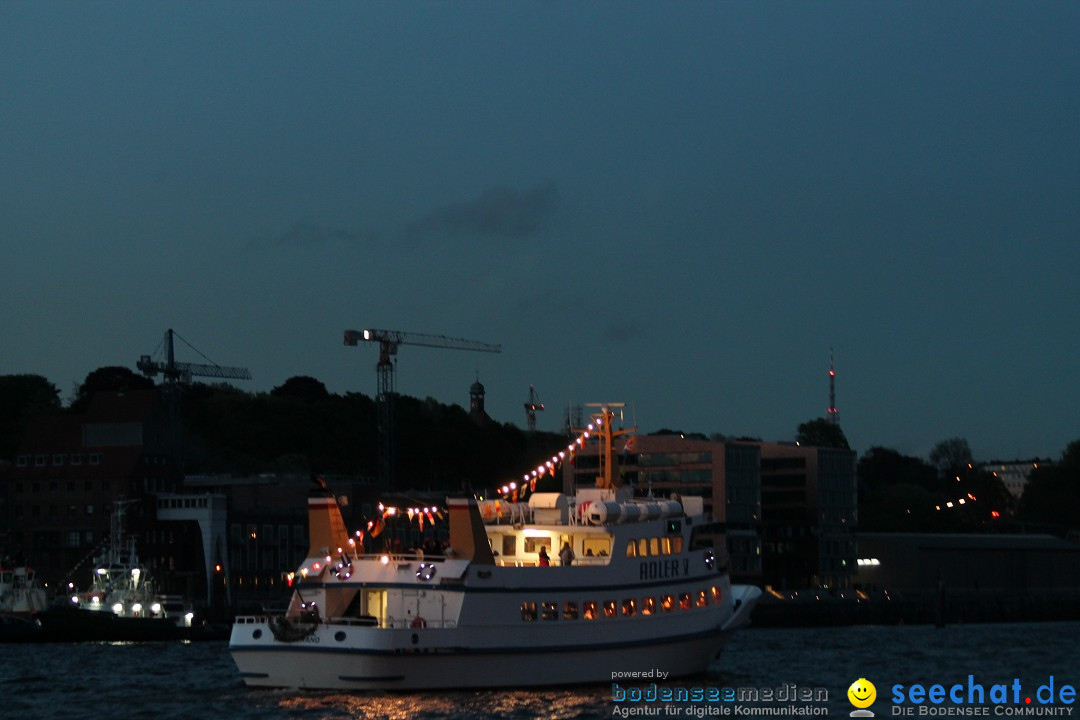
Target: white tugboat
point(642, 591)
point(122, 603)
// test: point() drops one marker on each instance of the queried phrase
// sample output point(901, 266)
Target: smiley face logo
point(862, 693)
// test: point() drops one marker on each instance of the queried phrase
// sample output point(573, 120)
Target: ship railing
point(580, 560)
point(414, 623)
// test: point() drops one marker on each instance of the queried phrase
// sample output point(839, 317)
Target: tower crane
point(389, 340)
point(177, 375)
point(182, 372)
point(531, 406)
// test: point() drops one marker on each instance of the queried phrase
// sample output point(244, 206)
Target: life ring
point(419, 622)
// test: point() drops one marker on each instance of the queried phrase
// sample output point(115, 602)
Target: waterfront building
point(1015, 474)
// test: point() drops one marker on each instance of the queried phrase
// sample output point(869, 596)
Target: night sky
point(678, 205)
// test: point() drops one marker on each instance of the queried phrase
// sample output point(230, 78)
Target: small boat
point(641, 593)
point(20, 600)
point(122, 603)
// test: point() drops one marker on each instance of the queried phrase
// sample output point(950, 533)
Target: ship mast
point(603, 427)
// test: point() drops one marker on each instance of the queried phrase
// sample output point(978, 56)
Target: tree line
point(300, 427)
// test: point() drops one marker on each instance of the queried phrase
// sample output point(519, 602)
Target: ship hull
point(309, 666)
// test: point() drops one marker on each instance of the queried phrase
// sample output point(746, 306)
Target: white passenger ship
point(646, 596)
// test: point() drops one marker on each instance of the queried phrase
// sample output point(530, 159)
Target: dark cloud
point(305, 233)
point(499, 211)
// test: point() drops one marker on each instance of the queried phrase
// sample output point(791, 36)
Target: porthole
point(339, 635)
point(257, 633)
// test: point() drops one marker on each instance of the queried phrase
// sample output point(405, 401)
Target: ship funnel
point(326, 529)
point(467, 537)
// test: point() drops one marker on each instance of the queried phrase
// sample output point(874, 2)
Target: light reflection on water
point(166, 681)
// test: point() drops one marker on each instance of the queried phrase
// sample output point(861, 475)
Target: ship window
point(533, 544)
point(589, 610)
point(629, 607)
point(570, 611)
point(550, 611)
point(643, 547)
point(509, 545)
point(648, 606)
point(597, 547)
point(631, 549)
point(667, 602)
point(702, 599)
point(684, 601)
point(717, 595)
point(609, 608)
point(665, 545)
point(676, 544)
point(654, 546)
point(528, 611)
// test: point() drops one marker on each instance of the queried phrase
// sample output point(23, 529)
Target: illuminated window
point(570, 611)
point(648, 606)
point(654, 546)
point(702, 599)
point(609, 608)
point(528, 611)
point(676, 544)
point(665, 545)
point(549, 611)
point(629, 607)
point(684, 601)
point(667, 602)
point(589, 610)
point(717, 595)
point(643, 547)
point(631, 549)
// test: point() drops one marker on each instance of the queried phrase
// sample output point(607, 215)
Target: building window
point(95, 458)
point(76, 458)
point(39, 461)
point(89, 509)
point(73, 538)
point(24, 460)
point(58, 459)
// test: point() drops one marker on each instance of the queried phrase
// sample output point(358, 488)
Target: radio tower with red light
point(832, 415)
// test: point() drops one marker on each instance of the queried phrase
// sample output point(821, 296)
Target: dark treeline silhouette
point(300, 427)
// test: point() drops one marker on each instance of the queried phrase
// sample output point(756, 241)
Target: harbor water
point(198, 680)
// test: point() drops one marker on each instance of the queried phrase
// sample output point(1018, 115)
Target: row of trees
point(301, 427)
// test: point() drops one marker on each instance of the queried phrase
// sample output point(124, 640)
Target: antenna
point(832, 414)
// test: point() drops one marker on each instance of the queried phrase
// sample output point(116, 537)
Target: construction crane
point(531, 406)
point(389, 340)
point(182, 372)
point(177, 375)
